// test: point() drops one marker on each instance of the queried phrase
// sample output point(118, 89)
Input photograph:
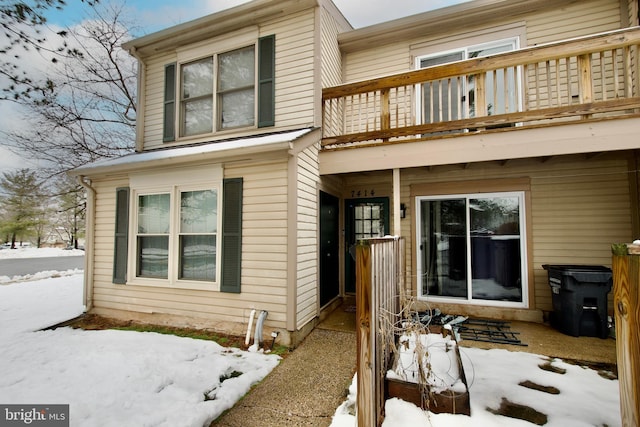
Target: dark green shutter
point(121, 236)
point(169, 127)
point(231, 235)
point(266, 81)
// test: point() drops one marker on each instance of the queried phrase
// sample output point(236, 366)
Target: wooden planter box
point(447, 401)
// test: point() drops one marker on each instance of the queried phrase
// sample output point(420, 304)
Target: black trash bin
point(579, 294)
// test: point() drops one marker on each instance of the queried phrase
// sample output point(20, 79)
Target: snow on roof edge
point(184, 151)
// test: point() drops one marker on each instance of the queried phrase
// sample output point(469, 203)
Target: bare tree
point(86, 110)
point(22, 23)
point(70, 213)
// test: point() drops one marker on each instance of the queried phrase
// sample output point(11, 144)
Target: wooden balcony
point(583, 79)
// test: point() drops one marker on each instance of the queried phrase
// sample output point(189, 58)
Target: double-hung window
point(198, 234)
point(182, 225)
point(184, 230)
point(219, 91)
point(153, 231)
point(197, 97)
point(236, 88)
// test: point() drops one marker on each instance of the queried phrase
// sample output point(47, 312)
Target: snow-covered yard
point(112, 378)
point(119, 378)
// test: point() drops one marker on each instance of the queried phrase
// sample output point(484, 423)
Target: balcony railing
point(587, 78)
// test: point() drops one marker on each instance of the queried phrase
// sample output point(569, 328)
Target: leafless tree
point(22, 22)
point(85, 110)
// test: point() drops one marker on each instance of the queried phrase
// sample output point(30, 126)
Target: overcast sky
point(155, 15)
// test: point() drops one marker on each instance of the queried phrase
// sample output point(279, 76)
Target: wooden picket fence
point(379, 285)
point(626, 301)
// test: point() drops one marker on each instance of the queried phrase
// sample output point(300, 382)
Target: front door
point(365, 218)
point(329, 248)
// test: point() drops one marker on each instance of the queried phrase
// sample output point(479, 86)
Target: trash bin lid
point(577, 267)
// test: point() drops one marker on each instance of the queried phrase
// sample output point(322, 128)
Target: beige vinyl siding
point(578, 208)
point(577, 19)
point(294, 80)
point(307, 235)
point(331, 56)
point(633, 13)
point(154, 102)
point(574, 20)
point(577, 213)
point(295, 72)
point(263, 258)
point(378, 61)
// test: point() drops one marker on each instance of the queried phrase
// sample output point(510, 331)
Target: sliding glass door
point(471, 248)
point(454, 98)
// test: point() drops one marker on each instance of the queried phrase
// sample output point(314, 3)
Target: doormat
point(493, 331)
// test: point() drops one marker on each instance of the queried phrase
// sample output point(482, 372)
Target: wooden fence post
point(626, 301)
point(365, 400)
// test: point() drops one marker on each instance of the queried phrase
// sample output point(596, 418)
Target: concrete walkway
point(305, 389)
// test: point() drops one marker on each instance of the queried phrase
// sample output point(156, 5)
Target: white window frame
point(469, 300)
point(216, 118)
point(464, 106)
point(224, 44)
point(174, 183)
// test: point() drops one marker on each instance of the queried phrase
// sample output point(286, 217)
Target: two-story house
point(495, 136)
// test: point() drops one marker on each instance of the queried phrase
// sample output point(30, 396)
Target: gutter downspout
point(87, 297)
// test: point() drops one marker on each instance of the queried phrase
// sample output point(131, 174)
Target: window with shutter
point(220, 91)
point(175, 228)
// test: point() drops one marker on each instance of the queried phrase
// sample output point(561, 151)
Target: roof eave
point(215, 24)
point(222, 152)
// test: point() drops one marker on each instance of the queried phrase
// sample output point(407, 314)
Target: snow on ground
point(113, 378)
point(30, 252)
point(585, 399)
point(122, 378)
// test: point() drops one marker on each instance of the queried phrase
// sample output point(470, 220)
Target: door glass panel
point(471, 247)
point(368, 221)
point(503, 100)
point(495, 248)
point(441, 98)
point(443, 243)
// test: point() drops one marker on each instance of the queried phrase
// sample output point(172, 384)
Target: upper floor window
point(197, 97)
point(236, 88)
point(456, 98)
point(223, 91)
